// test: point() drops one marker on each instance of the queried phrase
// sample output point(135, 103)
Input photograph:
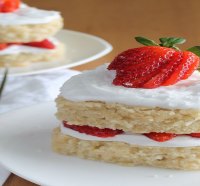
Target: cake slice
point(22, 23)
point(26, 34)
point(142, 109)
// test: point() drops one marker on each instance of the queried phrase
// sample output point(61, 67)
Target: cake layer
point(29, 32)
point(25, 58)
point(96, 85)
point(187, 158)
point(133, 119)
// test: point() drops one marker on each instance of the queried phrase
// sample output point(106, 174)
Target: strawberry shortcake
point(141, 109)
point(26, 34)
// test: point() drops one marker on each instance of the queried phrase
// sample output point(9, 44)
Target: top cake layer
point(96, 85)
point(28, 15)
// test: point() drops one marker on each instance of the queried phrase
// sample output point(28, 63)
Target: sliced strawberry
point(165, 72)
point(42, 44)
point(3, 46)
point(7, 6)
point(94, 131)
point(135, 65)
point(160, 137)
point(193, 65)
point(148, 58)
point(196, 135)
point(187, 66)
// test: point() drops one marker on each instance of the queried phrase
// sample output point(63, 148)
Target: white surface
point(136, 139)
point(96, 85)
point(25, 146)
point(80, 48)
point(20, 91)
point(21, 49)
point(28, 15)
point(3, 175)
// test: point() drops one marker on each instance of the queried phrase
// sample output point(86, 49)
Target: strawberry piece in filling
point(3, 46)
point(160, 137)
point(94, 131)
point(41, 44)
point(196, 135)
point(106, 132)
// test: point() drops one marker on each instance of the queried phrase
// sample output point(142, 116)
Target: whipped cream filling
point(136, 139)
point(96, 85)
point(28, 15)
point(20, 49)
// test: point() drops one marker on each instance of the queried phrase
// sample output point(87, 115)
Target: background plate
point(80, 48)
point(25, 146)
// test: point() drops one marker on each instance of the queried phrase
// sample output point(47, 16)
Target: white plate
point(25, 149)
point(80, 48)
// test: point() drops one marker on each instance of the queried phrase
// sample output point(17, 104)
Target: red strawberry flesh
point(106, 132)
point(187, 66)
point(152, 67)
point(136, 66)
point(7, 6)
point(165, 72)
point(160, 137)
point(42, 44)
point(3, 46)
point(94, 131)
point(196, 135)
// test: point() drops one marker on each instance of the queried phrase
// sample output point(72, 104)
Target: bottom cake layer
point(185, 158)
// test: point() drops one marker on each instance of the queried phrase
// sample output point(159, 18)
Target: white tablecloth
point(27, 90)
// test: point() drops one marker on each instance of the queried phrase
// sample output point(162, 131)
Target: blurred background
point(118, 21)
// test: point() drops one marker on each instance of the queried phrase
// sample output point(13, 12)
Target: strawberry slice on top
point(154, 65)
point(7, 6)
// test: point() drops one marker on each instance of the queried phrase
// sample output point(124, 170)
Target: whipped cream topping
point(96, 85)
point(136, 139)
point(20, 49)
point(28, 15)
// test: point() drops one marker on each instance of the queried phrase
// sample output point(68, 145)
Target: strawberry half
point(42, 44)
point(94, 131)
point(160, 137)
point(154, 66)
point(7, 6)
